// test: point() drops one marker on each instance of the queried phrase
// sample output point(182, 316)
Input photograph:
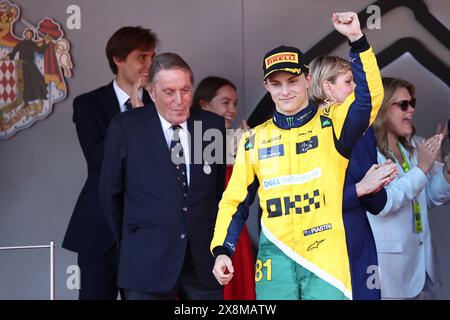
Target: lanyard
point(418, 227)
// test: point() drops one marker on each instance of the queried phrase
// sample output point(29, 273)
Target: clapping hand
point(136, 101)
point(236, 137)
point(428, 152)
point(441, 128)
point(376, 178)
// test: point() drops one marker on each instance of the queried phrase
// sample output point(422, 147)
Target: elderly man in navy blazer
point(130, 52)
point(159, 191)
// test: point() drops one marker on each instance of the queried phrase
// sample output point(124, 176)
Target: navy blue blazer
point(88, 232)
point(142, 201)
point(361, 247)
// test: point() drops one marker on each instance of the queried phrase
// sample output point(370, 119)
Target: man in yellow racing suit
point(296, 162)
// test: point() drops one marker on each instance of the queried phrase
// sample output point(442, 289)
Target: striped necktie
point(178, 159)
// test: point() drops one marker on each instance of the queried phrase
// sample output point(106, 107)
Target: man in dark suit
point(130, 52)
point(160, 186)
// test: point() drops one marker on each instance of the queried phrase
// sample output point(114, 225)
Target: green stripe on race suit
point(278, 277)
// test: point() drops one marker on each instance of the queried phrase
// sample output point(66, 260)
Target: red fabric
point(51, 66)
point(242, 286)
point(48, 26)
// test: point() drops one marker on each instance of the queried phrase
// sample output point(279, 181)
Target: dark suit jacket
point(88, 231)
point(145, 206)
point(361, 247)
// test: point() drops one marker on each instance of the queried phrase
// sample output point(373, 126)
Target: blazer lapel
point(110, 101)
point(193, 168)
point(153, 137)
point(197, 144)
point(363, 155)
point(146, 98)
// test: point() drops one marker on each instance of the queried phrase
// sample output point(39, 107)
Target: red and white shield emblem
point(33, 69)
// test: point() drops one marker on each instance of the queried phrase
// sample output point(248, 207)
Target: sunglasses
point(404, 104)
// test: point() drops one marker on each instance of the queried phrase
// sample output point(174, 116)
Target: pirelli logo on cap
point(280, 58)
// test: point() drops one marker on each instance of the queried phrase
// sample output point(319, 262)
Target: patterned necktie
point(178, 159)
point(128, 105)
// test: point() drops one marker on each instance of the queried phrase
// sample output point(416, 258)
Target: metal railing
point(50, 246)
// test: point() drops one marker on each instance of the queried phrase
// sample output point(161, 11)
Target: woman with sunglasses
point(402, 231)
point(332, 83)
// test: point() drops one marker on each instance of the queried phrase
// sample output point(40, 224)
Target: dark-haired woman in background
point(219, 96)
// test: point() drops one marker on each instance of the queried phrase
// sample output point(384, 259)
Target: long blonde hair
point(325, 68)
point(390, 87)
